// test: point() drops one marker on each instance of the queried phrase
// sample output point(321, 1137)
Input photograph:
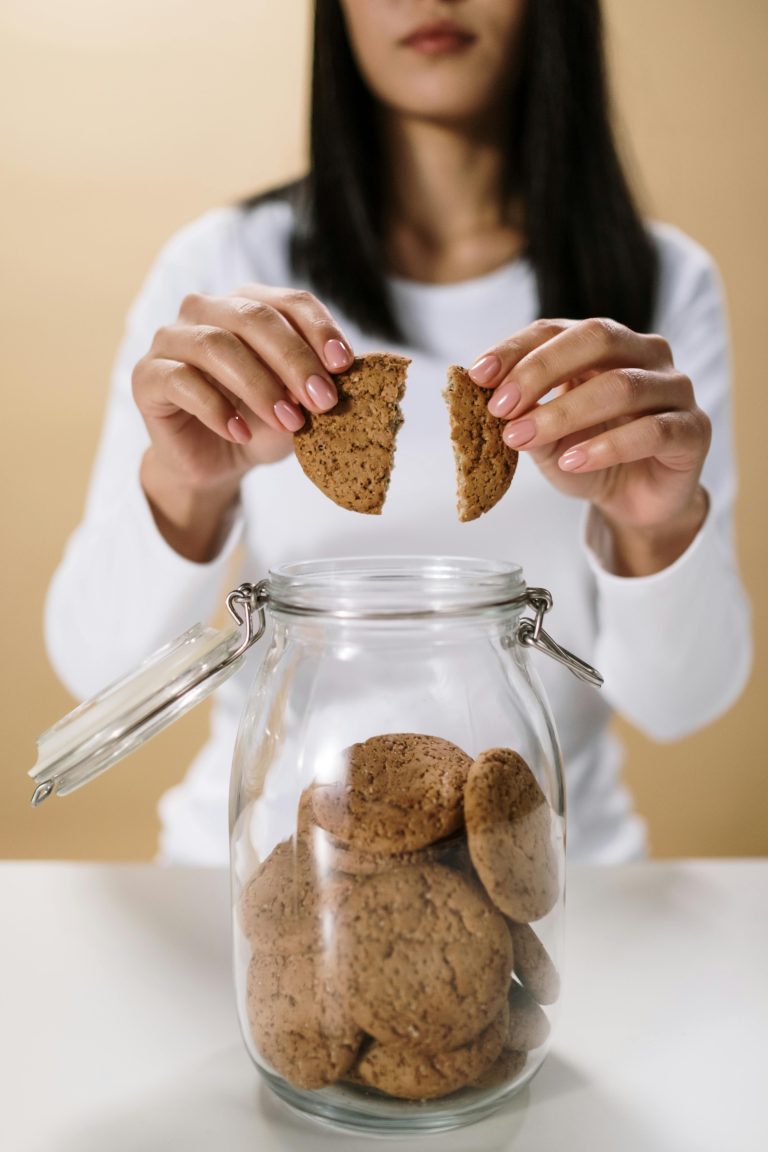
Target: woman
point(464, 204)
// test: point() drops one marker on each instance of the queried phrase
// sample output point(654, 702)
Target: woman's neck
point(447, 215)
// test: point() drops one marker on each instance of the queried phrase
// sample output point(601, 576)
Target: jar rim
point(385, 587)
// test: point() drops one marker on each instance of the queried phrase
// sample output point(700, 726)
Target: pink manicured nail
point(337, 355)
point(289, 415)
point(515, 435)
point(503, 401)
point(238, 429)
point(323, 393)
point(484, 369)
point(573, 458)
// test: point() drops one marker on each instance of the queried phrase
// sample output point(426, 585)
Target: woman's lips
point(439, 39)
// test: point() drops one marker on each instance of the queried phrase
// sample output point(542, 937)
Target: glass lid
point(124, 716)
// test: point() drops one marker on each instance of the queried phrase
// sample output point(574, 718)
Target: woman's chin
point(446, 106)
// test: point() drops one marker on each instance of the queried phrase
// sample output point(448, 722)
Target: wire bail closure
point(106, 728)
point(252, 599)
point(531, 634)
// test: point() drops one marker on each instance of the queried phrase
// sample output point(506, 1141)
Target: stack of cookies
point(390, 939)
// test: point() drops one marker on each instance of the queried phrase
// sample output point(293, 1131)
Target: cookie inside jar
point(390, 937)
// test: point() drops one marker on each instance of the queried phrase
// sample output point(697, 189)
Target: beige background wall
point(122, 121)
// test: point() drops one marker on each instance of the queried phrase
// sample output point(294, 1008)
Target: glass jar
point(398, 844)
point(397, 819)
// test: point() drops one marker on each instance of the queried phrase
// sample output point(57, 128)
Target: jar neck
point(408, 589)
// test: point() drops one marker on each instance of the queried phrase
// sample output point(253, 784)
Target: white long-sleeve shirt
point(674, 647)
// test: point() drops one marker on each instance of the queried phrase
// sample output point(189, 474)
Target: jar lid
point(125, 715)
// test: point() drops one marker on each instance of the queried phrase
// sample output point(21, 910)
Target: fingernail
point(503, 401)
point(238, 429)
point(337, 355)
point(573, 458)
point(515, 435)
point(484, 369)
point(323, 393)
point(289, 415)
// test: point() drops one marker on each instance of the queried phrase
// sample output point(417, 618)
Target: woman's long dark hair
point(589, 248)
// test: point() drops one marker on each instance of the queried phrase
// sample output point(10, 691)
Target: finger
point(311, 319)
point(679, 440)
point(578, 349)
point(494, 364)
point(274, 342)
point(610, 396)
point(178, 388)
point(224, 357)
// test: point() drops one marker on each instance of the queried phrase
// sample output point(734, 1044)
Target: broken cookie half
point(484, 464)
point(349, 451)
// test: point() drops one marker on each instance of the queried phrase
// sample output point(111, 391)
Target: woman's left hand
point(620, 428)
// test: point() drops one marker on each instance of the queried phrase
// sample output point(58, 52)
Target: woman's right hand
point(221, 390)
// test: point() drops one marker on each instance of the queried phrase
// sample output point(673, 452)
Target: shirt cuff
point(597, 544)
point(673, 646)
point(165, 562)
point(164, 593)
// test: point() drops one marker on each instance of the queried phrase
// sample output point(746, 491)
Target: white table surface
point(118, 1030)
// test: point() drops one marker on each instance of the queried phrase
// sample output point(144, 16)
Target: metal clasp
point(252, 599)
point(532, 635)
